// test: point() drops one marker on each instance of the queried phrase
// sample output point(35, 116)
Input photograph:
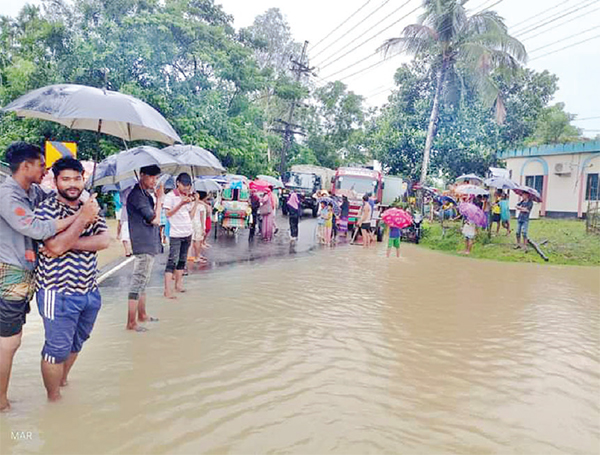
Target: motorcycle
point(413, 232)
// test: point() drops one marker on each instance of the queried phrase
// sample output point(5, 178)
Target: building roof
point(552, 149)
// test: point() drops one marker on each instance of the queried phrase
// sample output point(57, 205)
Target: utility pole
point(298, 68)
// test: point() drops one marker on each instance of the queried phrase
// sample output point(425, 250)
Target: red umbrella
point(397, 218)
point(260, 185)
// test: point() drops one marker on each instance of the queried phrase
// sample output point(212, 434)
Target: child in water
point(393, 241)
point(328, 222)
point(321, 222)
point(469, 232)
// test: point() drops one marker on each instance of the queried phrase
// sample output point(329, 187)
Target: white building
point(566, 175)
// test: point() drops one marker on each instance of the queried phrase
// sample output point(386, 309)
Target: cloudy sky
point(562, 36)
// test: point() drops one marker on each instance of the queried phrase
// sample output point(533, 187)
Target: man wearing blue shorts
point(67, 291)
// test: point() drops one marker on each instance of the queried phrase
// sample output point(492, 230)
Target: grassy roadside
point(567, 242)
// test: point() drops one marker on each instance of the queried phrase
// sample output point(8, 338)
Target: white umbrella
point(500, 182)
point(195, 160)
point(471, 178)
point(126, 164)
point(471, 189)
point(207, 185)
point(81, 107)
point(277, 183)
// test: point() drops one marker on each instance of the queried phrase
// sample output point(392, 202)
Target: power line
point(483, 8)
point(586, 13)
point(352, 65)
point(549, 21)
point(490, 6)
point(564, 39)
point(359, 36)
point(374, 36)
point(537, 16)
point(371, 66)
point(585, 118)
point(387, 89)
point(566, 47)
point(346, 20)
point(540, 17)
point(480, 5)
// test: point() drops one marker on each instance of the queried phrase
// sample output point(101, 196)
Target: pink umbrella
point(260, 185)
point(473, 213)
point(397, 218)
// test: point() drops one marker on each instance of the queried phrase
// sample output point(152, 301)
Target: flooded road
point(336, 351)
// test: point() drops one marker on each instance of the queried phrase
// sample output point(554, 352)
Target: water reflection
point(340, 351)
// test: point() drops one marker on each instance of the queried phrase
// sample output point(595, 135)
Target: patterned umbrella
point(473, 213)
point(397, 218)
point(533, 193)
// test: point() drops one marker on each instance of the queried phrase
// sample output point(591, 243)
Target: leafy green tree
point(554, 126)
point(468, 138)
point(334, 121)
point(459, 48)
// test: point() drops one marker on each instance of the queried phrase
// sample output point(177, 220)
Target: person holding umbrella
point(524, 208)
point(396, 219)
point(144, 218)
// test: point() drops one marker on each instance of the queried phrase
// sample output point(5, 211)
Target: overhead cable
point(343, 22)
point(586, 13)
point(373, 36)
point(359, 36)
point(549, 21)
point(595, 27)
point(537, 15)
point(566, 47)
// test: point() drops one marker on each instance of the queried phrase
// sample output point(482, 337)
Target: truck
point(305, 184)
point(354, 183)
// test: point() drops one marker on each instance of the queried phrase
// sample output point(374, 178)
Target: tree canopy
point(227, 90)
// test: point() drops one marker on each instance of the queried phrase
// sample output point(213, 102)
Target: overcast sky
point(577, 67)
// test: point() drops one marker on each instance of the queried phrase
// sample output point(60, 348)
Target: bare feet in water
point(136, 328)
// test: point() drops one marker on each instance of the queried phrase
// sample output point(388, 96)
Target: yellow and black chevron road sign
point(57, 150)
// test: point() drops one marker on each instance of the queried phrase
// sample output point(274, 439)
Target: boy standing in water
point(469, 231)
point(393, 241)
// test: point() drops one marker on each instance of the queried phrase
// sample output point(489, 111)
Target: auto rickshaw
point(234, 211)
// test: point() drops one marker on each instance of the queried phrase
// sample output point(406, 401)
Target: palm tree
point(460, 48)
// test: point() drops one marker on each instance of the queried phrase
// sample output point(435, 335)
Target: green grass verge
point(567, 242)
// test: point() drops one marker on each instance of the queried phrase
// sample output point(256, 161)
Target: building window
point(591, 189)
point(536, 182)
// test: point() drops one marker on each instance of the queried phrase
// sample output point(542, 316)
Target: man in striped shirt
point(67, 292)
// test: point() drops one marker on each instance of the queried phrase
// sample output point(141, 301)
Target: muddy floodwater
point(337, 351)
